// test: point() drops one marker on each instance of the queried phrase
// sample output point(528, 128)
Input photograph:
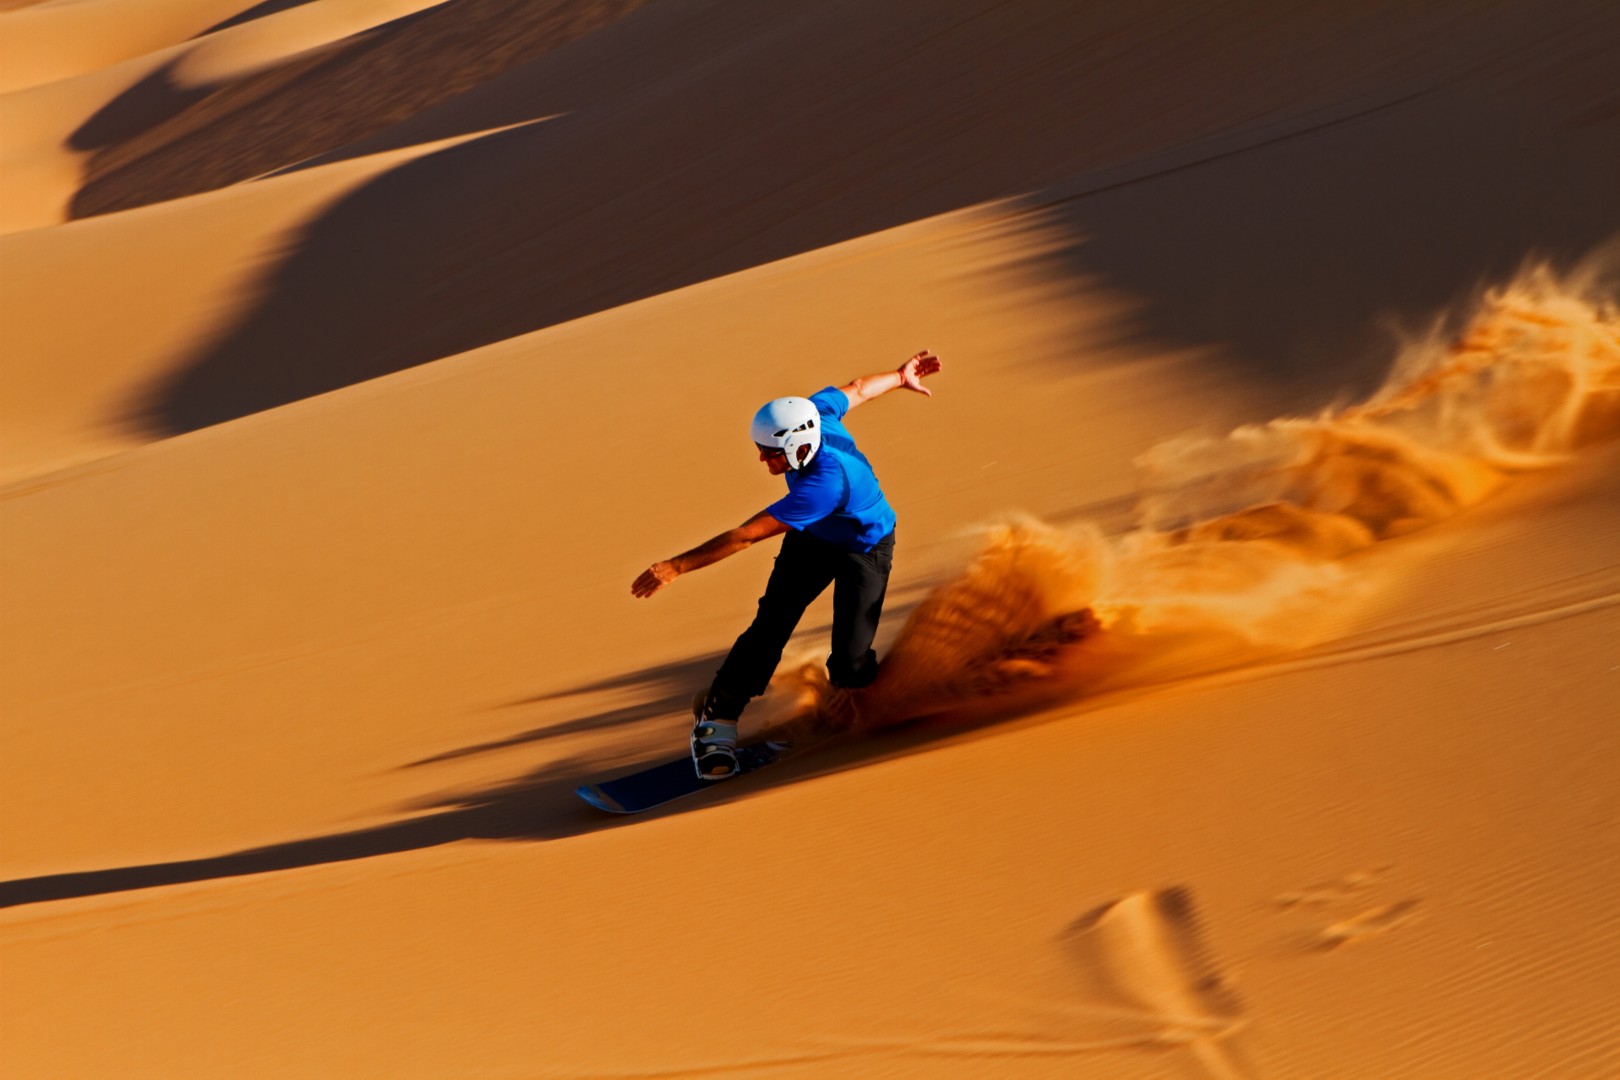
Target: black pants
point(804, 568)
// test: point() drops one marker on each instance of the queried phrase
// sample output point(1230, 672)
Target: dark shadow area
point(670, 687)
point(177, 143)
point(254, 13)
point(785, 130)
point(146, 105)
point(663, 692)
point(540, 805)
point(1302, 259)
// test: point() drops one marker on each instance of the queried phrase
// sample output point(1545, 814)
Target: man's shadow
point(537, 805)
point(540, 805)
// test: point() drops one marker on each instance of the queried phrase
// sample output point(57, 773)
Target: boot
point(714, 735)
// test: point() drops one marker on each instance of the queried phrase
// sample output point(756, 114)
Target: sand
point(1281, 355)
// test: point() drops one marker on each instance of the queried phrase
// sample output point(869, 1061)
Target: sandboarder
point(840, 532)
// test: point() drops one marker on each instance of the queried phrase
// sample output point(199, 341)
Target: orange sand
point(1282, 344)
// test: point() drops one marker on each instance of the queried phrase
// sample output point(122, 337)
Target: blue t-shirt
point(836, 497)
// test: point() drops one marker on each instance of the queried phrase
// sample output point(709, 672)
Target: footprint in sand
point(1371, 923)
point(1146, 954)
point(1343, 895)
point(1331, 892)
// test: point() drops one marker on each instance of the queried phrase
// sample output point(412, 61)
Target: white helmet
point(787, 424)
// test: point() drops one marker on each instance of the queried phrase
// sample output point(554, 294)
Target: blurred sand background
point(357, 354)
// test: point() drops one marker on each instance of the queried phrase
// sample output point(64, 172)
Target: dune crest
point(1242, 544)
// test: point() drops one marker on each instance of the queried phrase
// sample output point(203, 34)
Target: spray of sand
point(1244, 544)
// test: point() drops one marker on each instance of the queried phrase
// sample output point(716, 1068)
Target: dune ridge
point(151, 115)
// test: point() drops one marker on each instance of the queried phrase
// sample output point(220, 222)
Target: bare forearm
point(711, 551)
point(762, 526)
point(909, 375)
point(868, 387)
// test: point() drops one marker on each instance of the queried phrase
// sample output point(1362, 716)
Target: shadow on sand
point(263, 9)
point(664, 691)
point(1305, 256)
point(539, 805)
point(1280, 259)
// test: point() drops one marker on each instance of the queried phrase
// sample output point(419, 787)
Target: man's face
point(775, 460)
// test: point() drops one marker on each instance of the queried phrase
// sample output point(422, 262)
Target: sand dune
point(75, 381)
point(56, 124)
point(1249, 694)
point(47, 42)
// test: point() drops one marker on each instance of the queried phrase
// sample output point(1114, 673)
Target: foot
point(714, 749)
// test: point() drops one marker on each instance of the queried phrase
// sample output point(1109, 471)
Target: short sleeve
point(816, 495)
point(830, 401)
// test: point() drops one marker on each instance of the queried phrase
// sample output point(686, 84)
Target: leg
point(804, 568)
point(857, 605)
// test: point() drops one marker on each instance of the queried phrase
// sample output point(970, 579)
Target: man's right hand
point(653, 578)
point(762, 526)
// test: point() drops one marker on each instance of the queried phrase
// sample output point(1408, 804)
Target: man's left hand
point(913, 370)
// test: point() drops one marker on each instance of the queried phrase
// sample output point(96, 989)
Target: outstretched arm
point(909, 375)
point(762, 526)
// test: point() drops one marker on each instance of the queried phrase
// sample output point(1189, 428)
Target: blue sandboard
point(668, 781)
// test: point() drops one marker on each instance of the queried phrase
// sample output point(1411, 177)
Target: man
point(842, 533)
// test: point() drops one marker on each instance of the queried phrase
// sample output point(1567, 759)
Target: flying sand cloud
point(1243, 544)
